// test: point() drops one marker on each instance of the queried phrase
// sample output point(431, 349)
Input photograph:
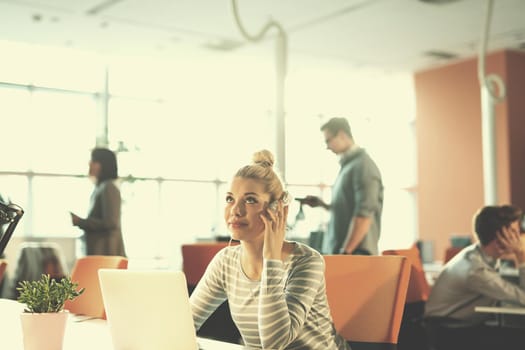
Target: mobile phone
point(273, 205)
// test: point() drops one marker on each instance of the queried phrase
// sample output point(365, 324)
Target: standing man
point(357, 196)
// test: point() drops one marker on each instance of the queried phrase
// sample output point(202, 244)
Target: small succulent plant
point(47, 295)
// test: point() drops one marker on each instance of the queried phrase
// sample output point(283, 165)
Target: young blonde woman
point(275, 288)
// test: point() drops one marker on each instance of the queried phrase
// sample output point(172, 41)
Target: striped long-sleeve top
point(286, 309)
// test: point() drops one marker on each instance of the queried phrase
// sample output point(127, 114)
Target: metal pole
point(488, 132)
point(102, 137)
point(491, 85)
point(281, 57)
point(280, 137)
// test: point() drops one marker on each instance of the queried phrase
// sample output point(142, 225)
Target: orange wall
point(450, 173)
point(515, 77)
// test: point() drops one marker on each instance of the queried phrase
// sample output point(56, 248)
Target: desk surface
point(505, 316)
point(88, 334)
point(514, 310)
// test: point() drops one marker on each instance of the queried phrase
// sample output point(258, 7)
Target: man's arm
point(315, 201)
point(366, 187)
point(356, 232)
point(485, 280)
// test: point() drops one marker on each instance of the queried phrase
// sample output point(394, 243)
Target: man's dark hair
point(108, 163)
point(490, 219)
point(335, 125)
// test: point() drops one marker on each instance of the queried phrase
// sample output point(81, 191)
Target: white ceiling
point(393, 35)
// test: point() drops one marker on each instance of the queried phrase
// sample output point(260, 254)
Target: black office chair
point(10, 215)
point(35, 259)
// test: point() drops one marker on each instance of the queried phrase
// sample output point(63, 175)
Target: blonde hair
point(262, 170)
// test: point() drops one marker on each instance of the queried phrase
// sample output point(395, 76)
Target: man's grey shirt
point(357, 191)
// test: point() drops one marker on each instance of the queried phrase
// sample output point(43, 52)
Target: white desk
point(91, 334)
point(513, 310)
point(505, 316)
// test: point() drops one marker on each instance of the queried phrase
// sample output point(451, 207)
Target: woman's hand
point(274, 231)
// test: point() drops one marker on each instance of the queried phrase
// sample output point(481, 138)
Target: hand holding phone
point(275, 221)
point(285, 200)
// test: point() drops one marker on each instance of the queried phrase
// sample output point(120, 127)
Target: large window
point(180, 129)
point(380, 110)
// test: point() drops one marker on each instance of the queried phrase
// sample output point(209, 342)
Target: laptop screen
point(148, 310)
point(10, 214)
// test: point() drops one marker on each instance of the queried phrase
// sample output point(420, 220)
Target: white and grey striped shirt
point(286, 309)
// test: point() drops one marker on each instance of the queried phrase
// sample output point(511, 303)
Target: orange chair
point(412, 334)
point(3, 266)
point(418, 287)
point(85, 273)
point(196, 257)
point(366, 295)
point(450, 252)
point(195, 260)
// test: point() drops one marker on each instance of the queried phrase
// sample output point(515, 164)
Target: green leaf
point(47, 295)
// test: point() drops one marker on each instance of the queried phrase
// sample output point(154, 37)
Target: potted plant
point(44, 318)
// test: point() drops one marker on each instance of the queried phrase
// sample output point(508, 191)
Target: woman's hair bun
point(263, 158)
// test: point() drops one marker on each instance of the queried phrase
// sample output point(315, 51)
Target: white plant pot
point(44, 331)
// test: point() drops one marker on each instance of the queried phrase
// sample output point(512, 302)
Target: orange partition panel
point(418, 287)
point(85, 273)
point(3, 266)
point(367, 295)
point(197, 256)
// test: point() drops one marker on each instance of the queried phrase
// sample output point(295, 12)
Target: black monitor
point(10, 214)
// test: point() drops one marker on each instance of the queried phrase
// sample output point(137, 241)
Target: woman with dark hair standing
point(102, 230)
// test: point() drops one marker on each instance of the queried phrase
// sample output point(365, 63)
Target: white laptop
point(148, 310)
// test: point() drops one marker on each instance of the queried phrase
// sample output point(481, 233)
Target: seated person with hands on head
point(471, 278)
point(275, 288)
